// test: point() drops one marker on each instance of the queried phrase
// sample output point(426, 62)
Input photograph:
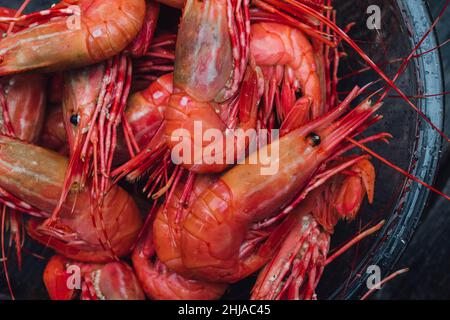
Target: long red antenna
point(291, 5)
point(393, 166)
point(379, 284)
point(354, 241)
point(418, 45)
point(18, 14)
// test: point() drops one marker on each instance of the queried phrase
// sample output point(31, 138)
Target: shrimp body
point(287, 57)
point(36, 176)
point(101, 30)
point(211, 59)
point(145, 109)
point(144, 114)
point(297, 267)
point(111, 281)
point(217, 224)
point(159, 281)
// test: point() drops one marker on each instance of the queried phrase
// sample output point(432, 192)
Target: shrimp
point(23, 101)
point(202, 79)
point(145, 109)
point(144, 115)
point(104, 29)
point(296, 269)
point(33, 178)
point(141, 116)
point(111, 281)
point(94, 100)
point(288, 60)
point(141, 44)
point(209, 68)
point(25, 96)
point(160, 283)
point(218, 222)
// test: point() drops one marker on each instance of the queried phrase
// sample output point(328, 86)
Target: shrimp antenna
point(397, 168)
point(416, 48)
point(298, 9)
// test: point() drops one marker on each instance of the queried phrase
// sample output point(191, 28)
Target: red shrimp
point(209, 67)
point(288, 60)
point(296, 269)
point(111, 281)
point(33, 177)
point(158, 280)
point(96, 31)
point(218, 222)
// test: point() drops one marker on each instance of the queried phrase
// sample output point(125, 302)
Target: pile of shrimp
point(97, 96)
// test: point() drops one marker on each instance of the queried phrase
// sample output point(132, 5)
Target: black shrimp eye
point(314, 138)
point(75, 119)
point(298, 94)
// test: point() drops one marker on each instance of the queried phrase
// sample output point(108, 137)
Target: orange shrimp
point(209, 67)
point(288, 60)
point(111, 281)
point(143, 40)
point(54, 136)
point(296, 269)
point(157, 279)
point(156, 157)
point(206, 74)
point(104, 29)
point(145, 109)
point(94, 101)
point(22, 110)
point(25, 96)
point(84, 99)
point(144, 115)
point(218, 222)
point(82, 95)
point(33, 178)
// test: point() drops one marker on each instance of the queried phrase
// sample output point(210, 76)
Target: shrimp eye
point(298, 95)
point(314, 138)
point(75, 119)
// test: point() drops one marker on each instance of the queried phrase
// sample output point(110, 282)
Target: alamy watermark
point(73, 281)
point(213, 146)
point(73, 22)
point(374, 19)
point(374, 279)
